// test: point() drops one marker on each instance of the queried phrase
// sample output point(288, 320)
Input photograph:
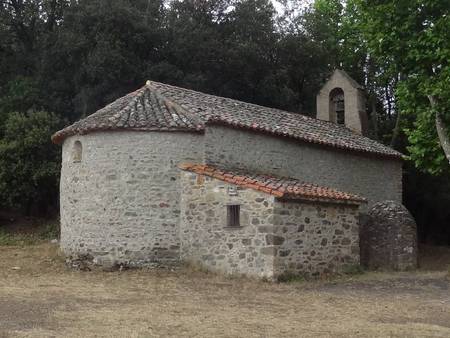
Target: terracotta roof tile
point(282, 187)
point(158, 106)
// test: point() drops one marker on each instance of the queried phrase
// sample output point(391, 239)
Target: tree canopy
point(61, 60)
point(411, 38)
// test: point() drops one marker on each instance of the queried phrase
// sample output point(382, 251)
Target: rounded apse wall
point(120, 194)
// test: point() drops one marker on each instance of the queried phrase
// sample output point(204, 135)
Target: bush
point(29, 163)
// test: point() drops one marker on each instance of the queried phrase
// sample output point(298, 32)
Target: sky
point(279, 7)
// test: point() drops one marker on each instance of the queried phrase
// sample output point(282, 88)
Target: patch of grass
point(353, 269)
point(44, 232)
point(291, 277)
point(49, 230)
point(7, 239)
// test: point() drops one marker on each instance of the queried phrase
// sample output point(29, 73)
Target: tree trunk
point(441, 130)
point(396, 130)
point(374, 117)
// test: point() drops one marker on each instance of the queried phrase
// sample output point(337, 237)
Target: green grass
point(45, 232)
point(49, 230)
point(353, 269)
point(291, 277)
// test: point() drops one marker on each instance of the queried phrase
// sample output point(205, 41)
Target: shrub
point(29, 162)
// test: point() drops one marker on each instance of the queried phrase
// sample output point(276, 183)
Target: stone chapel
point(167, 174)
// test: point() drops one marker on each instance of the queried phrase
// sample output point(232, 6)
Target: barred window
point(233, 215)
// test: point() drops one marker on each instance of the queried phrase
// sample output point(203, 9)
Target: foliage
point(73, 57)
point(427, 197)
point(9, 239)
point(29, 162)
point(412, 37)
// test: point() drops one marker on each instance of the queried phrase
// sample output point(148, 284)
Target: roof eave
point(284, 196)
point(355, 202)
point(60, 136)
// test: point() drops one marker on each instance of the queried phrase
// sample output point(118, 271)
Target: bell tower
point(342, 100)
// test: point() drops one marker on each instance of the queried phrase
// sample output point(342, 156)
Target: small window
point(77, 152)
point(233, 215)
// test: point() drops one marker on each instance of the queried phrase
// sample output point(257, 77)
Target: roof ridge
point(216, 117)
point(284, 113)
point(171, 104)
point(238, 101)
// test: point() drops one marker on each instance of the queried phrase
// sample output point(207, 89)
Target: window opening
point(77, 152)
point(233, 215)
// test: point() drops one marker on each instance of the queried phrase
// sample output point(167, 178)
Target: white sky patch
point(279, 7)
point(296, 5)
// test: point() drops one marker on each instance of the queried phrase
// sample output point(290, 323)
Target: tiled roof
point(142, 110)
point(158, 106)
point(281, 187)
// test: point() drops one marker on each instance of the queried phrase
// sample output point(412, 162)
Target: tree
point(102, 52)
point(250, 39)
point(193, 52)
point(29, 162)
point(412, 38)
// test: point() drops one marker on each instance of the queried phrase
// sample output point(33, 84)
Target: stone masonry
point(389, 237)
point(124, 200)
point(354, 98)
point(315, 237)
point(361, 175)
point(207, 241)
point(274, 236)
point(120, 203)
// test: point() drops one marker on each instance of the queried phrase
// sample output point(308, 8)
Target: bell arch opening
point(337, 106)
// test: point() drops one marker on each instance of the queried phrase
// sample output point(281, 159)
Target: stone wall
point(374, 178)
point(275, 236)
point(389, 237)
point(207, 241)
point(315, 237)
point(121, 201)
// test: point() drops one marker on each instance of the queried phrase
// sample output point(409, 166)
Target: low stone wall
point(207, 241)
point(389, 237)
point(313, 238)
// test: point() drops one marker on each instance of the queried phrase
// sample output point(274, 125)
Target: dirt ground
point(39, 297)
